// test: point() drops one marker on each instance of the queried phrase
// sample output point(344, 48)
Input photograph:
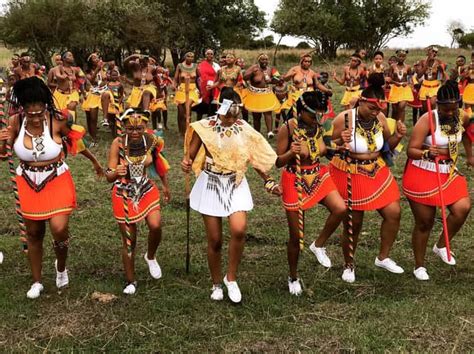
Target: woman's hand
point(5, 133)
point(434, 151)
point(277, 190)
point(166, 194)
point(186, 165)
point(346, 136)
point(401, 129)
point(122, 170)
point(99, 171)
point(295, 147)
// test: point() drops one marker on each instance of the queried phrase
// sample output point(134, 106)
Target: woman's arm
point(194, 146)
point(285, 155)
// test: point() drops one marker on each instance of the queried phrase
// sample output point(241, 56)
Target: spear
point(438, 176)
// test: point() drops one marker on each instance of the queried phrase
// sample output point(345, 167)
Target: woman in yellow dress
point(351, 79)
point(187, 70)
point(399, 75)
point(144, 89)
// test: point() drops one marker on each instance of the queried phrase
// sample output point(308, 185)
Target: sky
point(433, 32)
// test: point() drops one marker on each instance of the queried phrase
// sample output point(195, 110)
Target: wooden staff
point(438, 175)
point(350, 229)
point(11, 168)
point(299, 189)
point(123, 182)
point(187, 188)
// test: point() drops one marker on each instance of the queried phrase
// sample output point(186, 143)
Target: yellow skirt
point(400, 94)
point(261, 101)
point(429, 88)
point(114, 107)
point(63, 99)
point(92, 101)
point(350, 94)
point(180, 97)
point(135, 98)
point(242, 92)
point(158, 104)
point(468, 96)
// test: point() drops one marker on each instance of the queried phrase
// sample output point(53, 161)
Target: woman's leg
point(153, 221)
point(257, 121)
point(389, 228)
point(458, 213)
point(129, 261)
point(293, 246)
point(213, 227)
point(424, 220)
point(35, 231)
point(337, 210)
point(238, 228)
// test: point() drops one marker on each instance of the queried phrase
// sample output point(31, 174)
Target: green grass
point(380, 312)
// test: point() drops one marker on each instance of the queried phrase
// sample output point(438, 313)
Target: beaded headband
point(135, 117)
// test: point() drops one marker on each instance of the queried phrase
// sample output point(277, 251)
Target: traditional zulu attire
point(420, 182)
point(221, 188)
point(373, 185)
point(93, 98)
point(180, 97)
point(315, 178)
point(142, 194)
point(46, 191)
point(262, 99)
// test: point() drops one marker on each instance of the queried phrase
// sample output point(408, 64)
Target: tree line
point(117, 28)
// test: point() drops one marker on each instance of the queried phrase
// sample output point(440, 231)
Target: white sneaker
point(389, 265)
point(295, 287)
point(421, 273)
point(105, 123)
point(130, 289)
point(443, 254)
point(233, 290)
point(35, 291)
point(270, 135)
point(321, 256)
point(217, 292)
point(153, 266)
point(62, 278)
point(1, 257)
point(348, 275)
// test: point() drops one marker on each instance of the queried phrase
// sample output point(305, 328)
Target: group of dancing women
point(41, 131)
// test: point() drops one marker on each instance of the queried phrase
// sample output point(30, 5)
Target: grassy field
point(380, 312)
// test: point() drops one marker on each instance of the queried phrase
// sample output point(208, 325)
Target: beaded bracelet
point(425, 155)
point(270, 184)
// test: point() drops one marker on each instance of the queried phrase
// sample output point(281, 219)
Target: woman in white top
point(45, 187)
point(361, 175)
point(420, 182)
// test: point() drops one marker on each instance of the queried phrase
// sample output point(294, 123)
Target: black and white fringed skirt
point(218, 195)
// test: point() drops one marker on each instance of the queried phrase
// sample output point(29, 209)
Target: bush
point(303, 45)
point(467, 41)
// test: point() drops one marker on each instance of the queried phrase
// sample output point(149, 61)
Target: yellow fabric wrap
point(158, 104)
point(92, 101)
point(400, 93)
point(180, 97)
point(350, 94)
point(231, 153)
point(135, 98)
point(468, 96)
point(63, 99)
point(429, 88)
point(261, 100)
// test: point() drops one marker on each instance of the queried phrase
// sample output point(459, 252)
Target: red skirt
point(416, 103)
point(148, 203)
point(421, 186)
point(56, 197)
point(317, 184)
point(373, 185)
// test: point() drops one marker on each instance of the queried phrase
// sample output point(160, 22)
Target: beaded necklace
point(368, 130)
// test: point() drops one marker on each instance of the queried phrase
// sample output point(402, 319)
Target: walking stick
point(11, 168)
point(438, 175)
point(350, 229)
point(299, 189)
point(186, 180)
point(128, 235)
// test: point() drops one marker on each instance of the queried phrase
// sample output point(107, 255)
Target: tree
point(467, 41)
point(456, 30)
point(118, 27)
point(330, 24)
